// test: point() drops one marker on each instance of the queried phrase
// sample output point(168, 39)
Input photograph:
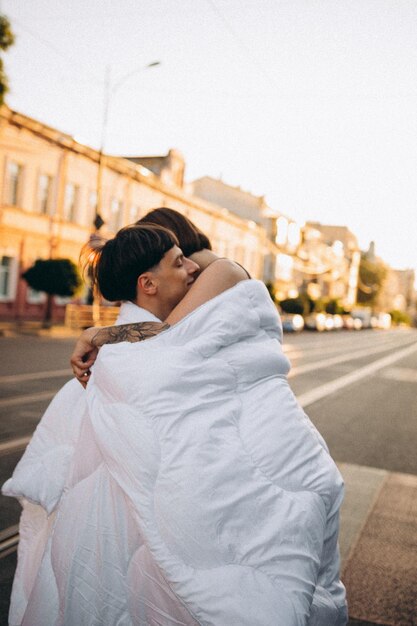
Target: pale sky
point(312, 103)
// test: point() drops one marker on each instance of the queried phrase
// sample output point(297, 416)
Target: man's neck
point(153, 306)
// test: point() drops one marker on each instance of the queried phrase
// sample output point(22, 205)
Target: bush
point(399, 317)
point(293, 305)
point(271, 291)
point(334, 307)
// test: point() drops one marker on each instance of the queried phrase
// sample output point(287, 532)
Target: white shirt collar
point(132, 314)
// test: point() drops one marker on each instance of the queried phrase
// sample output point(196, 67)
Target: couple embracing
point(184, 485)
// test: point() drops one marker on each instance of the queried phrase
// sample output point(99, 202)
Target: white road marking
point(9, 538)
point(25, 399)
point(403, 374)
point(339, 338)
point(318, 393)
point(329, 348)
point(341, 358)
point(18, 378)
point(14, 444)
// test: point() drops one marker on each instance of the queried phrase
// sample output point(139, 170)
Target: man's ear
point(147, 284)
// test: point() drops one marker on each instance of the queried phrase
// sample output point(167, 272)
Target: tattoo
point(128, 332)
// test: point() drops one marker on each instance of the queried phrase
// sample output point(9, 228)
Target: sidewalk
point(378, 544)
point(56, 331)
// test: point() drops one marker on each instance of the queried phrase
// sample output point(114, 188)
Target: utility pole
point(98, 221)
point(109, 91)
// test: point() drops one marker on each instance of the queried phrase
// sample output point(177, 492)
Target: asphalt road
point(359, 388)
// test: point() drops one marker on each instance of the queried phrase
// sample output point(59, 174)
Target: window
point(116, 214)
point(284, 267)
point(92, 201)
point(294, 234)
point(8, 277)
point(63, 300)
point(133, 214)
point(70, 202)
point(35, 297)
point(14, 187)
point(45, 189)
point(282, 231)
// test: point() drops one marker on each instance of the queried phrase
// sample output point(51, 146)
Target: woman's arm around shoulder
point(219, 276)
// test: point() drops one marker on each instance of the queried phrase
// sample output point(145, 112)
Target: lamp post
point(109, 91)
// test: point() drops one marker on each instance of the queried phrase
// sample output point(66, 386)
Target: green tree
point(333, 307)
point(6, 40)
point(56, 277)
point(271, 290)
point(372, 274)
point(292, 305)
point(399, 317)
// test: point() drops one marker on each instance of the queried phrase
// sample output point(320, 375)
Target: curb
point(55, 332)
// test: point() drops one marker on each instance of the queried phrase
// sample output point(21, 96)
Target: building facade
point(52, 187)
point(48, 186)
point(282, 234)
point(336, 271)
point(320, 260)
point(398, 292)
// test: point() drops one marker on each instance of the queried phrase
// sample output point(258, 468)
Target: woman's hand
point(88, 344)
point(84, 355)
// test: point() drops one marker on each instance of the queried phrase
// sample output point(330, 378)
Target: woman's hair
point(115, 265)
point(190, 238)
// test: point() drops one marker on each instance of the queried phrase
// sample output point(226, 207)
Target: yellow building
point(48, 203)
point(332, 258)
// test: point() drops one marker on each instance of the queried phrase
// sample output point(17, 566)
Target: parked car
point(364, 316)
point(348, 322)
point(316, 321)
point(381, 321)
point(329, 322)
point(292, 323)
point(338, 321)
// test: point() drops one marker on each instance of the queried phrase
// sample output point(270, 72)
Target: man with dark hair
point(144, 264)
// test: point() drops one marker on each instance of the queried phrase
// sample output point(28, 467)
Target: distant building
point(170, 169)
point(282, 235)
point(398, 292)
point(338, 266)
point(49, 200)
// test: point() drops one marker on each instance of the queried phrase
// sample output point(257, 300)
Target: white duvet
point(185, 487)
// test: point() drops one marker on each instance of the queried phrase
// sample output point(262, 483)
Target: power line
point(56, 50)
point(248, 51)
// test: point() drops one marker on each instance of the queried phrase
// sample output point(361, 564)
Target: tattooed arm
point(127, 332)
point(89, 342)
point(215, 279)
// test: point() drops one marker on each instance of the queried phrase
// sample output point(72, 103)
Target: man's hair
point(190, 238)
point(119, 262)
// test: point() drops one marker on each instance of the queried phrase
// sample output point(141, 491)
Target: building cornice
point(119, 165)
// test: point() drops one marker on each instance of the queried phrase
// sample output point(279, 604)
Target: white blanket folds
point(198, 491)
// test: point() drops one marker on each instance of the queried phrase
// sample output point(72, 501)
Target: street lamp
point(109, 91)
